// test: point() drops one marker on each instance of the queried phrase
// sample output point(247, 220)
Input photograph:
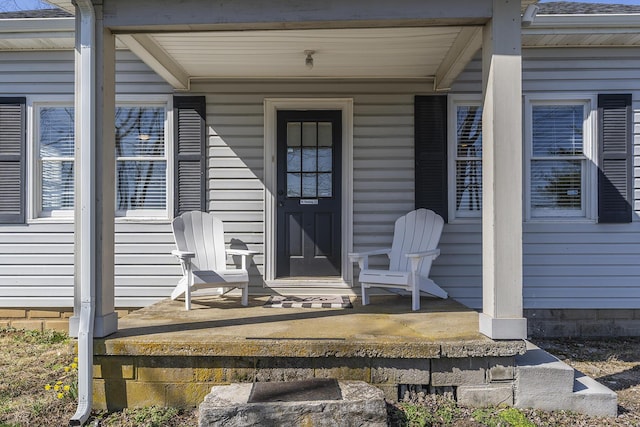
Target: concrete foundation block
point(400, 371)
point(456, 372)
point(283, 369)
point(361, 405)
point(344, 368)
point(481, 396)
point(592, 398)
point(501, 369)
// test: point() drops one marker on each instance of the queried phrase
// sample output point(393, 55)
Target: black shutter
point(430, 117)
point(189, 142)
point(615, 177)
point(12, 160)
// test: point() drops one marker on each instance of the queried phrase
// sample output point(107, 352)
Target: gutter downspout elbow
point(85, 204)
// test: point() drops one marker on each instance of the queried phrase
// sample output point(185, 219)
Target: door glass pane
point(293, 159)
point(324, 185)
point(293, 134)
point(309, 185)
point(324, 134)
point(309, 134)
point(293, 185)
point(309, 159)
point(325, 159)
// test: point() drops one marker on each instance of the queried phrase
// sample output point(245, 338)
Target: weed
point(515, 418)
point(416, 415)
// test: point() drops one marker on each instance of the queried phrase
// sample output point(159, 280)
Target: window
point(55, 152)
point(141, 160)
point(559, 153)
point(465, 164)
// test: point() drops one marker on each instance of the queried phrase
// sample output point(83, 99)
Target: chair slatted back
point(202, 233)
point(417, 231)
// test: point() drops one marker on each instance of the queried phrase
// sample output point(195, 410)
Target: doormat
point(324, 301)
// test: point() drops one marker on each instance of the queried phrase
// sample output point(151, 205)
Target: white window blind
point(468, 161)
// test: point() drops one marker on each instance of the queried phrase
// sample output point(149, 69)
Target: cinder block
point(390, 391)
point(579, 314)
point(627, 328)
point(114, 368)
point(141, 394)
point(44, 314)
point(165, 374)
point(480, 396)
point(400, 371)
point(4, 323)
point(611, 314)
point(284, 369)
point(57, 325)
point(10, 313)
point(186, 395)
point(553, 329)
point(34, 325)
point(342, 369)
point(501, 369)
point(456, 372)
point(594, 329)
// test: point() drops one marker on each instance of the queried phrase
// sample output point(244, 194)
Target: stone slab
point(481, 396)
point(361, 405)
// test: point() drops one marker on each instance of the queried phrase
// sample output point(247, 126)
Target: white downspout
point(85, 139)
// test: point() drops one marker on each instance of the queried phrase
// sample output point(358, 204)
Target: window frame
point(589, 158)
point(34, 172)
point(454, 102)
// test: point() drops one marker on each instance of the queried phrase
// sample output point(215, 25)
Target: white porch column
point(502, 316)
point(95, 178)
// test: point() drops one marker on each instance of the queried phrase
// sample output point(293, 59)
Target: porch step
point(545, 382)
point(357, 404)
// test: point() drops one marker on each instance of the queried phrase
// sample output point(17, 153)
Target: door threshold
point(309, 282)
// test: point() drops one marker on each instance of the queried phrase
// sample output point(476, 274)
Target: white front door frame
point(271, 107)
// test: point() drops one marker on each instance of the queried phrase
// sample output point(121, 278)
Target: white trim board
point(271, 107)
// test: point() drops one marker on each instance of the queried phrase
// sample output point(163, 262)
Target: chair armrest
point(362, 258)
point(416, 258)
point(432, 253)
point(243, 252)
point(183, 255)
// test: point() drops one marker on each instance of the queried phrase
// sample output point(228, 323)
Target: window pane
point(469, 185)
point(141, 185)
point(325, 159)
point(56, 132)
point(557, 130)
point(57, 185)
point(139, 131)
point(469, 130)
point(293, 159)
point(293, 134)
point(325, 137)
point(309, 185)
point(325, 187)
point(556, 184)
point(309, 159)
point(294, 188)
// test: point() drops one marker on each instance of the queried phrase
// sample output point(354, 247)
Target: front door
point(308, 193)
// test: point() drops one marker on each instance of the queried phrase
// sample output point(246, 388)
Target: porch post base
point(103, 325)
point(503, 328)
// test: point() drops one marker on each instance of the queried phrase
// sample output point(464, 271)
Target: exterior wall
point(36, 259)
point(567, 265)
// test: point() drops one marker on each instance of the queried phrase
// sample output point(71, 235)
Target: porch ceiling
point(438, 53)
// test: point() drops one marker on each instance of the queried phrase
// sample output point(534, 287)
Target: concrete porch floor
point(164, 355)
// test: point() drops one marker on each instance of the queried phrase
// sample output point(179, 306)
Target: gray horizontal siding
point(566, 265)
point(36, 260)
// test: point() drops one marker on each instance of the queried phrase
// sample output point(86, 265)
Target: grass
point(29, 360)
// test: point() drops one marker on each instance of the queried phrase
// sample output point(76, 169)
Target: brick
point(284, 369)
point(44, 314)
point(57, 325)
point(456, 372)
point(480, 396)
point(501, 368)
point(13, 313)
point(400, 371)
point(35, 325)
point(342, 369)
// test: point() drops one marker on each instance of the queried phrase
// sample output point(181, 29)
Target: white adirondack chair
point(415, 240)
point(199, 238)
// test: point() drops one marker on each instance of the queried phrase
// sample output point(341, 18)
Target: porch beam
point(170, 15)
point(157, 59)
point(502, 308)
point(465, 46)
